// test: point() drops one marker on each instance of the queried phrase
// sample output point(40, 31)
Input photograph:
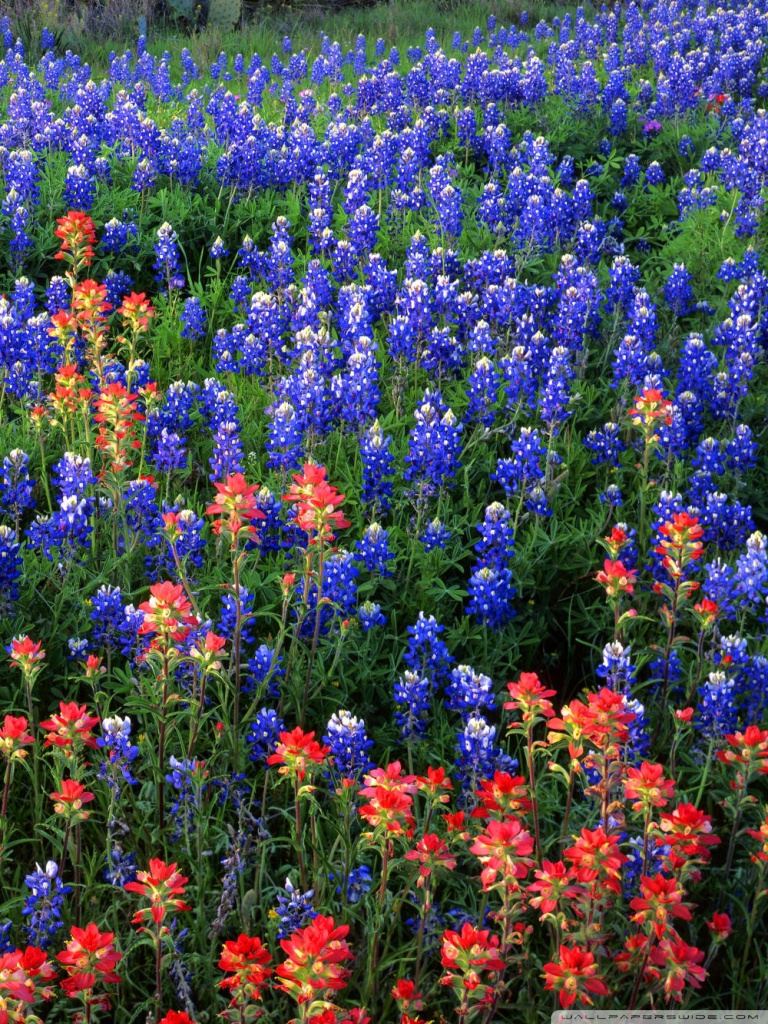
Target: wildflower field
point(384, 522)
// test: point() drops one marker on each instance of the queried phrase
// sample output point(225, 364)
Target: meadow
point(384, 516)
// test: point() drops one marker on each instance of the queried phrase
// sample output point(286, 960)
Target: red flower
point(434, 784)
point(316, 503)
point(163, 886)
point(431, 852)
point(647, 786)
point(530, 698)
point(70, 799)
point(660, 899)
point(680, 543)
point(167, 612)
point(26, 656)
point(245, 960)
point(236, 504)
point(503, 849)
point(596, 855)
point(720, 926)
point(467, 954)
point(137, 311)
point(761, 835)
point(502, 796)
point(297, 752)
point(78, 236)
point(616, 578)
point(90, 950)
point(679, 962)
point(25, 976)
point(315, 955)
point(405, 995)
point(176, 1017)
point(573, 976)
point(14, 737)
point(689, 832)
point(70, 727)
point(389, 793)
point(552, 884)
point(751, 750)
point(651, 406)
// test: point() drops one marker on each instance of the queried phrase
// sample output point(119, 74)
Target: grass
point(402, 23)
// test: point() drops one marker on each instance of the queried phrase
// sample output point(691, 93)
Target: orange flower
point(660, 899)
point(78, 236)
point(574, 976)
point(679, 962)
point(315, 955)
point(14, 737)
point(167, 612)
point(552, 884)
point(616, 579)
point(70, 728)
point(163, 886)
point(647, 786)
point(530, 698)
point(236, 504)
point(70, 799)
point(502, 796)
point(297, 753)
point(137, 311)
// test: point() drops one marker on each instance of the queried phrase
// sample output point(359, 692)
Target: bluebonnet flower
point(185, 777)
point(264, 667)
point(107, 616)
point(43, 905)
point(358, 883)
point(435, 536)
point(116, 235)
point(478, 757)
point(10, 568)
point(121, 752)
point(741, 450)
point(286, 434)
point(346, 736)
point(193, 317)
point(605, 444)
point(413, 699)
point(378, 466)
point(374, 550)
point(751, 573)
point(678, 291)
point(79, 188)
point(218, 250)
point(717, 713)
point(16, 487)
point(370, 615)
point(469, 692)
point(168, 258)
point(264, 734)
point(433, 456)
point(294, 909)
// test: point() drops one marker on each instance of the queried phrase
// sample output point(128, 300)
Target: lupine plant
point(383, 538)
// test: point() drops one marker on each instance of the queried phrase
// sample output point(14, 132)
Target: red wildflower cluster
point(69, 799)
point(245, 961)
point(77, 233)
point(315, 955)
point(235, 505)
point(317, 504)
point(574, 975)
point(163, 886)
point(117, 413)
point(468, 955)
point(14, 737)
point(26, 976)
point(390, 799)
point(90, 957)
point(298, 753)
point(167, 613)
point(70, 728)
